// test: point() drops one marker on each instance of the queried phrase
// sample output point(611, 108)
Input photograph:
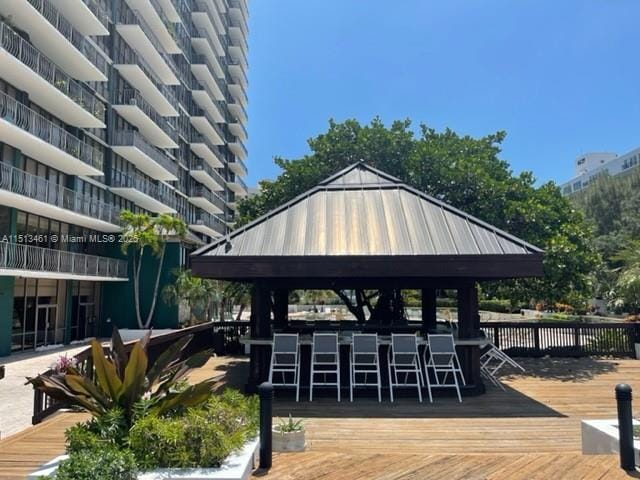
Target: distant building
point(591, 165)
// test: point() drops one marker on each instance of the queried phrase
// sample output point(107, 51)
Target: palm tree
point(141, 233)
point(197, 293)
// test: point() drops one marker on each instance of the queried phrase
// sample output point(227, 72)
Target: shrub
point(107, 463)
point(495, 305)
point(109, 429)
point(199, 437)
point(446, 302)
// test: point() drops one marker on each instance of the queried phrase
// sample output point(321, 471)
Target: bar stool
point(325, 360)
point(285, 359)
point(443, 359)
point(365, 362)
point(403, 358)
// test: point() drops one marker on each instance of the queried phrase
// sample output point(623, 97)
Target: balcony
point(30, 261)
point(140, 75)
point(238, 167)
point(31, 193)
point(237, 111)
point(203, 148)
point(205, 77)
point(174, 9)
point(204, 20)
point(237, 71)
point(202, 197)
point(141, 38)
point(207, 53)
point(238, 149)
point(241, 5)
point(142, 192)
point(237, 186)
point(206, 125)
point(238, 33)
point(208, 224)
point(47, 85)
point(130, 145)
point(135, 110)
point(203, 173)
point(238, 130)
point(239, 93)
point(46, 142)
point(238, 17)
point(56, 37)
point(87, 16)
point(157, 22)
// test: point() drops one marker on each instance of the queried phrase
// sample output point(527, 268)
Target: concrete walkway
point(16, 398)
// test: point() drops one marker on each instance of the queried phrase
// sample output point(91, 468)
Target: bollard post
point(265, 392)
point(625, 427)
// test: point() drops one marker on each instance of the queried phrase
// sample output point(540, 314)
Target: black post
point(265, 391)
point(625, 427)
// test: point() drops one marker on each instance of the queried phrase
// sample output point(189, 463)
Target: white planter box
point(637, 345)
point(288, 441)
point(600, 437)
point(237, 466)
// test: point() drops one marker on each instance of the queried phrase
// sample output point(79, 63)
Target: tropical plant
point(123, 379)
point(142, 233)
point(196, 292)
point(290, 425)
point(106, 463)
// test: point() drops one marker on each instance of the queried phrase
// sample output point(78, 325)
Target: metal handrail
point(78, 40)
point(128, 56)
point(201, 164)
point(211, 221)
point(20, 256)
point(122, 180)
point(37, 188)
point(49, 71)
point(131, 96)
point(202, 191)
point(237, 179)
point(134, 17)
point(131, 138)
point(34, 123)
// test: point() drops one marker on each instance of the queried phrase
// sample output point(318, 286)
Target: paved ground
point(16, 398)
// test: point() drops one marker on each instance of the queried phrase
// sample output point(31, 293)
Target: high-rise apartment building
point(108, 105)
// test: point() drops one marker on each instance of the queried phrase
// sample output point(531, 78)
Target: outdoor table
point(346, 339)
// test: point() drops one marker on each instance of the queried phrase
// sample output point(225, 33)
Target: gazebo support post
point(429, 318)
point(280, 308)
point(260, 328)
point(469, 327)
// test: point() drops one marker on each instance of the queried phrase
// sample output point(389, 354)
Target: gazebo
point(364, 229)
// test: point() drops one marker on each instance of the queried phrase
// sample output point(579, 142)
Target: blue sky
point(562, 77)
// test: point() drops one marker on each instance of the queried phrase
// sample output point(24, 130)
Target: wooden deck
point(531, 431)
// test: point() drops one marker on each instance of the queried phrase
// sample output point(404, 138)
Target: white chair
point(325, 361)
point(403, 358)
point(492, 360)
point(285, 360)
point(365, 362)
point(442, 360)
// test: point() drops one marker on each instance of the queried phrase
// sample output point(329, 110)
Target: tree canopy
point(463, 171)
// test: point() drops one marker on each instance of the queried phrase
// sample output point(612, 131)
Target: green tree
point(197, 293)
point(143, 233)
point(463, 171)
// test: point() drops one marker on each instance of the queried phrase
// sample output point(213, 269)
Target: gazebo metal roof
point(361, 217)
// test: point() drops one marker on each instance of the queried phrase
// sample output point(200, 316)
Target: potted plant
point(289, 436)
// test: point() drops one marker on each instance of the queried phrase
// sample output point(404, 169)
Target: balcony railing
point(133, 17)
point(211, 221)
point(237, 179)
point(242, 127)
point(197, 137)
point(34, 123)
point(204, 192)
point(127, 56)
point(238, 161)
point(130, 138)
point(200, 164)
point(19, 256)
point(37, 188)
point(133, 97)
point(234, 63)
point(48, 11)
point(233, 101)
point(46, 69)
point(99, 12)
point(122, 180)
point(200, 112)
point(203, 60)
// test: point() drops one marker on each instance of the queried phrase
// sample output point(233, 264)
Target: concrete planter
point(288, 441)
point(237, 466)
point(637, 345)
point(600, 437)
